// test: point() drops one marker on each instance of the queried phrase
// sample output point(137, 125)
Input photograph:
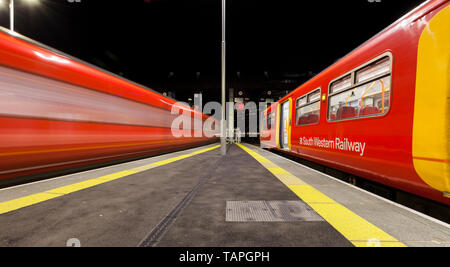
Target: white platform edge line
point(367, 192)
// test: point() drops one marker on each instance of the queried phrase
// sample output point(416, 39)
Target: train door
point(285, 127)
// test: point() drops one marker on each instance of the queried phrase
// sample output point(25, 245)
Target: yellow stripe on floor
point(356, 229)
point(18, 203)
point(26, 201)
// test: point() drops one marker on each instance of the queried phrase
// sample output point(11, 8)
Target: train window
point(270, 120)
point(378, 68)
point(28, 95)
point(341, 84)
point(308, 108)
point(263, 121)
point(314, 96)
point(301, 101)
point(369, 97)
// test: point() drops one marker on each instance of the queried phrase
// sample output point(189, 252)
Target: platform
point(250, 197)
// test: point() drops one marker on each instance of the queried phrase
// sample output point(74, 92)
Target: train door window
point(308, 108)
point(263, 121)
point(368, 96)
point(270, 120)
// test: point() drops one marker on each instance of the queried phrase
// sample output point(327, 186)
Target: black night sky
point(146, 40)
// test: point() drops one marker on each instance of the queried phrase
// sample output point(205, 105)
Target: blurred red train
point(57, 112)
point(382, 112)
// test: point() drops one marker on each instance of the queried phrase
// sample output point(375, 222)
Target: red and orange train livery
point(57, 112)
point(382, 112)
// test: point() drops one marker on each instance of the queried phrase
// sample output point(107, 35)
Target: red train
point(382, 112)
point(57, 112)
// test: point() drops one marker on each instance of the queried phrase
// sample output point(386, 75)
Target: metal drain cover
point(270, 211)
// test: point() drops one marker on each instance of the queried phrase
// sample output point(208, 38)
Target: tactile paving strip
point(270, 211)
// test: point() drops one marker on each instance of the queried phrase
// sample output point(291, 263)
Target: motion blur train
point(382, 112)
point(57, 112)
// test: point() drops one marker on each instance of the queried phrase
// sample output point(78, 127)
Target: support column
point(223, 148)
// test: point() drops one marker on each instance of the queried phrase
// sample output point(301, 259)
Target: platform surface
point(250, 197)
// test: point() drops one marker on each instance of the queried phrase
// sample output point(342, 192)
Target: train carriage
point(382, 112)
point(58, 113)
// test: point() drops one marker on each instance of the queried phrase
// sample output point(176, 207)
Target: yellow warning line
point(22, 202)
point(356, 229)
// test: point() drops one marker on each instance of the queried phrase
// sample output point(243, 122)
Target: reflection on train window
point(301, 101)
point(32, 96)
point(270, 120)
point(378, 68)
point(314, 96)
point(341, 84)
point(263, 121)
point(308, 108)
point(369, 96)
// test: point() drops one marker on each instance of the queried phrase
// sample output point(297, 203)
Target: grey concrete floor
point(240, 178)
point(408, 226)
point(124, 212)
